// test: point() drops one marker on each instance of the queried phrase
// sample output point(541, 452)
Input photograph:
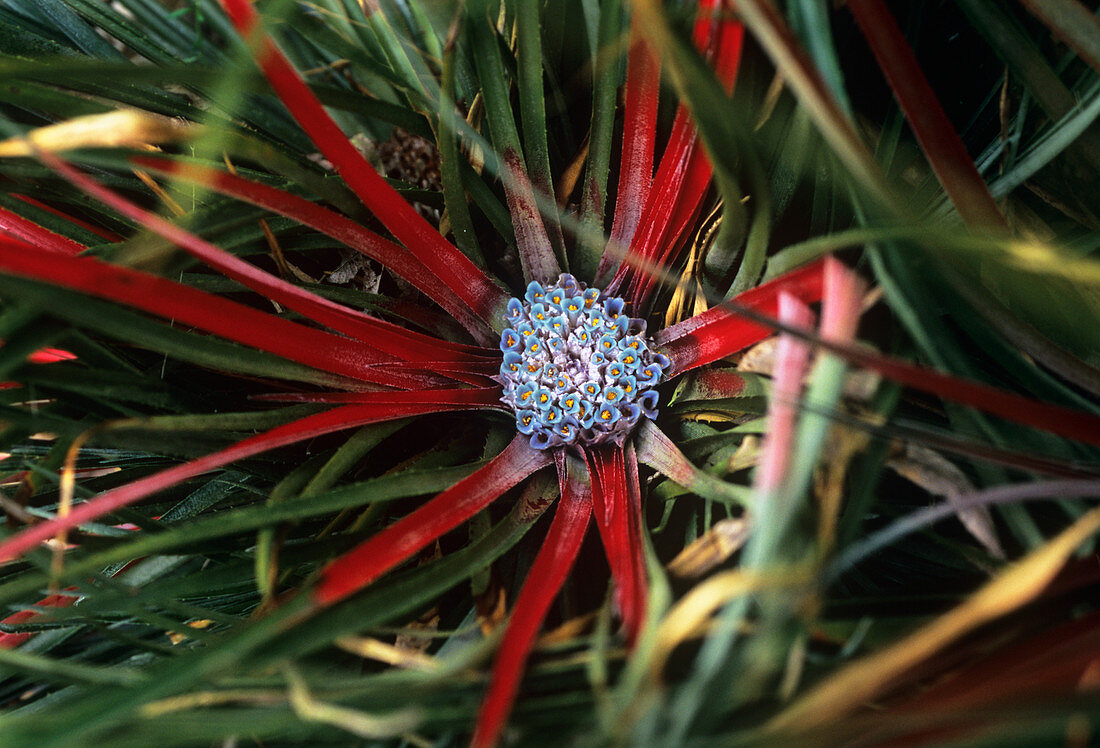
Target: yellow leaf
point(688, 298)
point(373, 649)
point(692, 614)
point(862, 681)
point(721, 541)
point(124, 128)
point(358, 723)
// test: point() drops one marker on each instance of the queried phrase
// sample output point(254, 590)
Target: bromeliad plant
point(559, 343)
point(577, 371)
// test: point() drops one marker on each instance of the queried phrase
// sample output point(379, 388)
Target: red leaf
point(16, 225)
point(616, 504)
point(369, 560)
point(545, 579)
point(189, 306)
point(385, 337)
point(393, 256)
point(10, 641)
point(1074, 424)
point(937, 136)
point(50, 356)
point(643, 79)
point(654, 231)
point(719, 332)
point(43, 356)
point(319, 424)
point(684, 174)
point(463, 277)
point(477, 373)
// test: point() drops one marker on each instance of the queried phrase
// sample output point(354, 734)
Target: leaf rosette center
point(577, 369)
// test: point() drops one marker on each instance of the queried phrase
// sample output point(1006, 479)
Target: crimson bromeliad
point(576, 369)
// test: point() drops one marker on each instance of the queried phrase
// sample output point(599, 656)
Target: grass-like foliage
point(583, 372)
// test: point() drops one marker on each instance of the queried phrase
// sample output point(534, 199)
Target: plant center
point(577, 369)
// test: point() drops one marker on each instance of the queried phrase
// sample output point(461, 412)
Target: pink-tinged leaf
point(482, 397)
point(643, 88)
point(102, 233)
point(188, 306)
point(618, 511)
point(941, 143)
point(398, 542)
point(80, 473)
point(393, 256)
point(719, 332)
point(688, 347)
point(684, 174)
point(545, 579)
point(462, 276)
point(10, 641)
point(30, 232)
point(388, 339)
point(792, 358)
point(319, 424)
point(842, 302)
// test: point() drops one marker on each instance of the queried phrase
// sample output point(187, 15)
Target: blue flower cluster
point(576, 369)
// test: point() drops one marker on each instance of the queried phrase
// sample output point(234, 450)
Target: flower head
point(577, 370)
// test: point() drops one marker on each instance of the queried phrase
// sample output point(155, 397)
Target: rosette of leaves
point(219, 461)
